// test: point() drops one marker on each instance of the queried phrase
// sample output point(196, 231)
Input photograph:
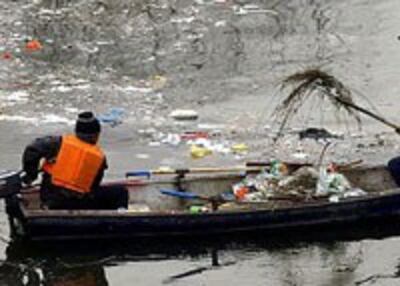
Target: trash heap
point(202, 139)
point(306, 183)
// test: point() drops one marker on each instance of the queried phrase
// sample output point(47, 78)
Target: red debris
point(6, 56)
point(33, 45)
point(192, 135)
point(241, 193)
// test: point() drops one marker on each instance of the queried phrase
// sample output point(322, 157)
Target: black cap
point(87, 123)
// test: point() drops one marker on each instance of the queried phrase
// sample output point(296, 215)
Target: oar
point(185, 195)
point(167, 171)
point(214, 200)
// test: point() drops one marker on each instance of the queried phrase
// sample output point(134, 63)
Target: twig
point(375, 277)
point(321, 156)
point(316, 82)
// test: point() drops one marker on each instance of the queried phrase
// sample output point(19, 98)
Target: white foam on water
point(13, 98)
point(71, 109)
point(19, 118)
point(18, 96)
point(186, 20)
point(53, 118)
point(61, 88)
point(136, 89)
point(45, 119)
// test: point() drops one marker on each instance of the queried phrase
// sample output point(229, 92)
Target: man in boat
point(73, 166)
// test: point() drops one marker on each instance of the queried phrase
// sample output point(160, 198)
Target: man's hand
point(27, 179)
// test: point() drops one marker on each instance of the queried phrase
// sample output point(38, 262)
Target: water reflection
point(284, 260)
point(42, 270)
point(90, 270)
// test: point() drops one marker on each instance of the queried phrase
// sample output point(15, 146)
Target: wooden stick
point(369, 113)
point(182, 172)
point(251, 167)
point(206, 170)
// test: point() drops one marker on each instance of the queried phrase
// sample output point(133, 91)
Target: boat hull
point(103, 226)
point(28, 221)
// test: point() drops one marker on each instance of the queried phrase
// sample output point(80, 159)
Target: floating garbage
point(63, 89)
point(317, 133)
point(143, 156)
point(203, 146)
point(33, 46)
point(209, 126)
point(154, 144)
point(112, 117)
point(6, 56)
point(172, 139)
point(221, 23)
point(158, 82)
point(182, 20)
point(136, 89)
point(184, 114)
point(193, 135)
point(198, 152)
point(240, 148)
point(252, 9)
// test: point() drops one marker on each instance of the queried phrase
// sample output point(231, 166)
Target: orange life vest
point(76, 165)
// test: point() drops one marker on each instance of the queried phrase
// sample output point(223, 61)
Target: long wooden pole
point(252, 167)
point(162, 171)
point(369, 113)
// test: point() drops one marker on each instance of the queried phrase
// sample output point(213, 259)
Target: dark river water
point(223, 59)
point(360, 257)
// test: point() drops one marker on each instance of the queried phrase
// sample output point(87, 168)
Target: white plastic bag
point(331, 182)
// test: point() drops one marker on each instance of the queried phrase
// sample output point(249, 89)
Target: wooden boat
point(169, 216)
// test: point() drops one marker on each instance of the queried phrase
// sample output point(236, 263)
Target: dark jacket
point(48, 148)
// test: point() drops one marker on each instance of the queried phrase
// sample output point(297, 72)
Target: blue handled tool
point(214, 200)
point(182, 195)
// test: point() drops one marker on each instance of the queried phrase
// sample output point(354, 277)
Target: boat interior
point(145, 195)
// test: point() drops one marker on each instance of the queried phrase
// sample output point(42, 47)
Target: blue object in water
point(113, 116)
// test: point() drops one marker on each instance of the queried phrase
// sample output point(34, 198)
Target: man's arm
point(44, 147)
point(100, 175)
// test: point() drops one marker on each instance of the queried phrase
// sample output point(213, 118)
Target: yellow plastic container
point(198, 152)
point(240, 148)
